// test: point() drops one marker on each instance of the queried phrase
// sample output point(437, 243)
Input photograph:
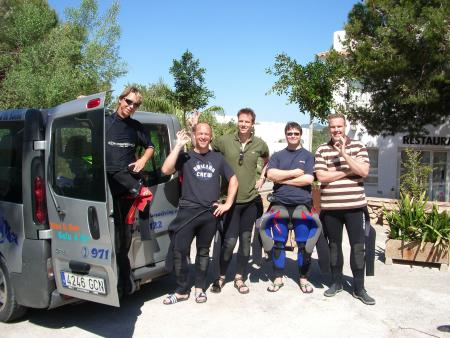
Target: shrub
point(415, 177)
point(411, 223)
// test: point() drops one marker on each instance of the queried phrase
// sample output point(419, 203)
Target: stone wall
point(376, 206)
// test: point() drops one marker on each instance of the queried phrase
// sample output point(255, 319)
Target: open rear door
point(84, 261)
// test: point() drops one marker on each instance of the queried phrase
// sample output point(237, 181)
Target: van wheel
point(9, 309)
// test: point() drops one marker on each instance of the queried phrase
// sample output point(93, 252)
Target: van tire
point(9, 309)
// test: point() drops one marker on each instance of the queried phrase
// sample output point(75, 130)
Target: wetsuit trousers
point(203, 229)
point(354, 223)
point(122, 241)
point(238, 224)
point(121, 184)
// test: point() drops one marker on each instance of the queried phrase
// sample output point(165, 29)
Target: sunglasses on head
point(131, 102)
point(241, 157)
point(293, 133)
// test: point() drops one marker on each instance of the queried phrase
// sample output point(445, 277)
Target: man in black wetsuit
point(123, 135)
point(199, 209)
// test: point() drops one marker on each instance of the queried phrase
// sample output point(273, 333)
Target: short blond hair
point(336, 116)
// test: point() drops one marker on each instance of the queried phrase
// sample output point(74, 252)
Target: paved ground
point(411, 302)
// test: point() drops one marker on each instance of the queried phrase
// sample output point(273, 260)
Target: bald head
point(203, 125)
point(202, 136)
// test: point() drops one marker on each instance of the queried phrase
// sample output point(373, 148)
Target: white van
point(56, 222)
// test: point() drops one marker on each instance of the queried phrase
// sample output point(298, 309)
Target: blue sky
point(235, 41)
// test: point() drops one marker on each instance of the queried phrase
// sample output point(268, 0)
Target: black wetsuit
point(122, 138)
point(200, 175)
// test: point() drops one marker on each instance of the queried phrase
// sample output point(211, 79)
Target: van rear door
point(84, 262)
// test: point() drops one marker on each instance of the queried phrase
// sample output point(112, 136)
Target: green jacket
point(246, 172)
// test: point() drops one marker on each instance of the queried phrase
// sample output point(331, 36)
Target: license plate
point(87, 284)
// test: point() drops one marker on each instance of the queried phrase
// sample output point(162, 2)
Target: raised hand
point(192, 121)
point(183, 138)
point(340, 146)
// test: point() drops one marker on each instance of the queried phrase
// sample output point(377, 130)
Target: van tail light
point(40, 206)
point(93, 103)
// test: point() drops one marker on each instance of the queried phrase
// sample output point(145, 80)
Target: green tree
point(48, 62)
point(320, 136)
point(190, 89)
point(159, 98)
point(396, 56)
point(398, 52)
point(311, 86)
point(414, 180)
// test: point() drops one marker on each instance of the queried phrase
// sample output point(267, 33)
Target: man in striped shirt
point(341, 165)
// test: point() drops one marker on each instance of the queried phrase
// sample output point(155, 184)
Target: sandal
point(241, 286)
point(201, 298)
point(218, 284)
point(275, 287)
point(173, 299)
point(306, 287)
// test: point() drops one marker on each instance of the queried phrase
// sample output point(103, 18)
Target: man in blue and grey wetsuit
point(291, 170)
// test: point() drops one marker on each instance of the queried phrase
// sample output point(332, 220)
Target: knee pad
point(359, 255)
point(333, 253)
point(228, 247)
point(203, 252)
point(229, 243)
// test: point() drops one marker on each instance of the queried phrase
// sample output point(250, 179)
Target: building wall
point(389, 159)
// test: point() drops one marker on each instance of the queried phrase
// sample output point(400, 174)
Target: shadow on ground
point(103, 320)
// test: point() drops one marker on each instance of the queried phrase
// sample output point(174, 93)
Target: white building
point(386, 153)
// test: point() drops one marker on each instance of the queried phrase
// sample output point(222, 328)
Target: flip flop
point(173, 299)
point(306, 287)
point(275, 287)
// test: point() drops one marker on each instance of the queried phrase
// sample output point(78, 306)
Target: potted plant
point(416, 235)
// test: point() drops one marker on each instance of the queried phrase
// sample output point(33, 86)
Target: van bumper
point(32, 286)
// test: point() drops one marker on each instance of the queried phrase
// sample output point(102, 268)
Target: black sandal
point(240, 287)
point(218, 284)
point(201, 298)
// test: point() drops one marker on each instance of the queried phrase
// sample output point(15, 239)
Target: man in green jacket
point(242, 151)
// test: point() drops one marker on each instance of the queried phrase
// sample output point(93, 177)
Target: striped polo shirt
point(348, 192)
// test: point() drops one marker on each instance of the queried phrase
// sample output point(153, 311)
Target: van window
point(159, 135)
point(11, 139)
point(77, 149)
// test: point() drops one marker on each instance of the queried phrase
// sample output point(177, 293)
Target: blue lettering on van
point(163, 213)
point(70, 236)
point(155, 225)
point(95, 253)
point(6, 235)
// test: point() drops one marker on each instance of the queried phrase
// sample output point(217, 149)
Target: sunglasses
point(241, 157)
point(131, 103)
point(293, 134)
